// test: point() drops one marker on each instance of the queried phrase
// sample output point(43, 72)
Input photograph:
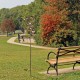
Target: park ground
point(14, 63)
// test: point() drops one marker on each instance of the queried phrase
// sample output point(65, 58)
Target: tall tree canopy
point(54, 19)
point(7, 25)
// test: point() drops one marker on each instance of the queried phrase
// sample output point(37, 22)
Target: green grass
point(14, 63)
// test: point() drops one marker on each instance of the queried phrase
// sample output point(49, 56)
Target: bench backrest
point(74, 50)
point(65, 52)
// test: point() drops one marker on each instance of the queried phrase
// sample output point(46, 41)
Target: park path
point(12, 41)
point(3, 35)
point(61, 71)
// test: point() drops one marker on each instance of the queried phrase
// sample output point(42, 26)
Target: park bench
point(66, 55)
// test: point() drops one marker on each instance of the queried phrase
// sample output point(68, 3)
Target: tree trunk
point(7, 33)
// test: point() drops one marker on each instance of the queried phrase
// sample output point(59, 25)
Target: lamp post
point(31, 32)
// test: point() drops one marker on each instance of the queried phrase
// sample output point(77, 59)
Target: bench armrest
point(48, 56)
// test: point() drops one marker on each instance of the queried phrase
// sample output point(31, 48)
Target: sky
point(13, 3)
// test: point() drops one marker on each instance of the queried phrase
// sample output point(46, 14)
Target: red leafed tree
point(54, 18)
point(7, 26)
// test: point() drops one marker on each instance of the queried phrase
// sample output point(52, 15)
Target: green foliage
point(19, 14)
point(4, 13)
point(74, 8)
point(38, 39)
point(65, 38)
point(35, 9)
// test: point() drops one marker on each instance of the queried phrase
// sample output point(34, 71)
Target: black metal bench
point(67, 55)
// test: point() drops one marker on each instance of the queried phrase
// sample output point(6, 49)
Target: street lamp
point(31, 32)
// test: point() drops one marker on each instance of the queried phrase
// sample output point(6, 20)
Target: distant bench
point(67, 55)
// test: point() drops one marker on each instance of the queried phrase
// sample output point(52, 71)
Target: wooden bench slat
point(63, 60)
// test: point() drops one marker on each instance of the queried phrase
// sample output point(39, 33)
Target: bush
point(38, 39)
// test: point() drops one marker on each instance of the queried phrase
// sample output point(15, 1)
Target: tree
point(7, 26)
point(32, 9)
point(74, 16)
point(4, 13)
point(54, 19)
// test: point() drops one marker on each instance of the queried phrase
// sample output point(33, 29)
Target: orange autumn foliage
point(49, 23)
point(54, 17)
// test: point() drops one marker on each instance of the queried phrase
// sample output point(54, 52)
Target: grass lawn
point(14, 63)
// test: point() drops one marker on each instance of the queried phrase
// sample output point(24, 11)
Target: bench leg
point(56, 68)
point(75, 64)
point(48, 69)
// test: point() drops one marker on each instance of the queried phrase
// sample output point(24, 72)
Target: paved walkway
point(61, 71)
point(12, 41)
point(27, 40)
point(3, 35)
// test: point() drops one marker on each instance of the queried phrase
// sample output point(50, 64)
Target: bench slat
point(63, 60)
